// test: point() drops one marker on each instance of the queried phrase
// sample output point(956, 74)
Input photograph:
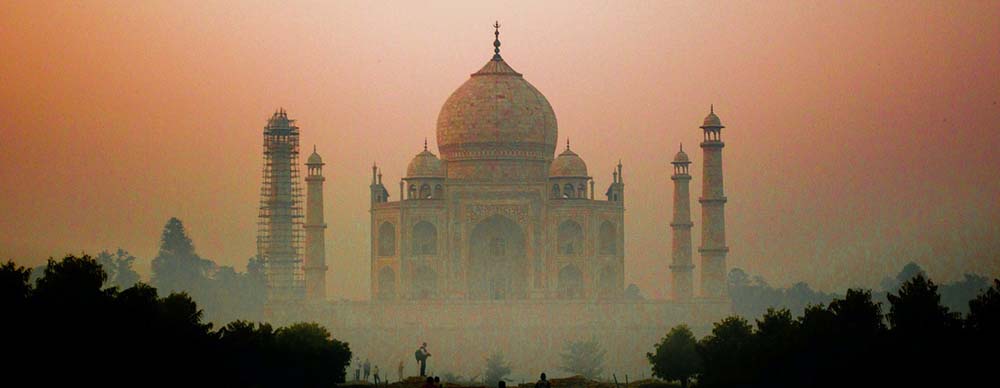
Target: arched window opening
point(386, 240)
point(568, 190)
point(424, 239)
point(608, 239)
point(555, 191)
point(570, 239)
point(412, 193)
point(425, 191)
point(439, 192)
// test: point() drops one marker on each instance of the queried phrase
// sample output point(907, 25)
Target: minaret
point(378, 192)
point(279, 232)
point(713, 214)
point(681, 281)
point(616, 191)
point(315, 263)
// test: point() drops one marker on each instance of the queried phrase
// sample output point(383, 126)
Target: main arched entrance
point(497, 262)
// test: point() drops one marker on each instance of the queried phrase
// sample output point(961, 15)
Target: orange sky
point(860, 135)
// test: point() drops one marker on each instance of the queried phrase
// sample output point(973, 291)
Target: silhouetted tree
point(584, 358)
point(984, 312)
point(72, 283)
point(917, 310)
point(725, 352)
point(909, 271)
point(676, 356)
point(921, 330)
point(775, 344)
point(956, 295)
point(310, 356)
point(93, 336)
point(14, 286)
point(497, 368)
point(857, 317)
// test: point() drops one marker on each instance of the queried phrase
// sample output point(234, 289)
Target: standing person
point(400, 370)
point(542, 382)
point(357, 371)
point(368, 369)
point(421, 356)
point(375, 374)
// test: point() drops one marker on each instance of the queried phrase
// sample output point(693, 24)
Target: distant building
point(498, 217)
point(500, 244)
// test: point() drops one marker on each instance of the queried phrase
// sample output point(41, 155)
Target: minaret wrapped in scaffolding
point(279, 227)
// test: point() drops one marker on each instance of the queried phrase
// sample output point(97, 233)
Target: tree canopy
point(92, 334)
point(676, 357)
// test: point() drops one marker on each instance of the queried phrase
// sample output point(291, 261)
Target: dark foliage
point(68, 330)
point(847, 343)
point(752, 295)
point(676, 357)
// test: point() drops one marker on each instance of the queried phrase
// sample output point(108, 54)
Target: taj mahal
point(495, 242)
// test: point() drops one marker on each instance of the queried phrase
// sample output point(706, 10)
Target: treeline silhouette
point(752, 295)
point(852, 341)
point(66, 329)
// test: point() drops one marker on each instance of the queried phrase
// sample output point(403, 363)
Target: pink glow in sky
point(860, 135)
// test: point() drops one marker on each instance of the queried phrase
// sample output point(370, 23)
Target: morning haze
point(859, 136)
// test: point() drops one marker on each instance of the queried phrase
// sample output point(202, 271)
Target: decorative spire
point(314, 148)
point(496, 42)
point(567, 144)
point(425, 144)
point(682, 147)
point(711, 108)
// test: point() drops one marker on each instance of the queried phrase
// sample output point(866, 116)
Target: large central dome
point(496, 115)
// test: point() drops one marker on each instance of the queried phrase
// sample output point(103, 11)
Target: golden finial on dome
point(496, 42)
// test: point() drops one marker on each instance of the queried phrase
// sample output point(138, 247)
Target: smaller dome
point(425, 165)
point(568, 164)
point(712, 120)
point(314, 158)
point(681, 157)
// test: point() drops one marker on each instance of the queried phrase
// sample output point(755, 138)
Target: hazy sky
point(860, 135)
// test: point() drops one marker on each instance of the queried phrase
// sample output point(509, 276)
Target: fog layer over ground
point(859, 136)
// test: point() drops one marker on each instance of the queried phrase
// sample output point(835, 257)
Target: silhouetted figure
point(542, 382)
point(368, 369)
point(501, 384)
point(357, 372)
point(437, 382)
point(375, 374)
point(421, 356)
point(429, 383)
